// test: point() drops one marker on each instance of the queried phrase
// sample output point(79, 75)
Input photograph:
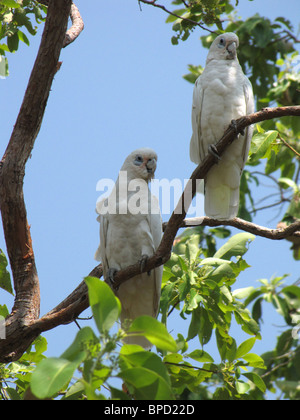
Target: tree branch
point(291, 231)
point(163, 252)
point(77, 24)
point(68, 310)
point(162, 7)
point(289, 146)
point(12, 170)
point(76, 28)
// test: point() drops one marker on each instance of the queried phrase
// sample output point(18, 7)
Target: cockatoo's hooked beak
point(150, 165)
point(231, 49)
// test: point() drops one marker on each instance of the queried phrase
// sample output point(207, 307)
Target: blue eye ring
point(138, 160)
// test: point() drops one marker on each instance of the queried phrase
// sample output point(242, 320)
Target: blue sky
point(120, 88)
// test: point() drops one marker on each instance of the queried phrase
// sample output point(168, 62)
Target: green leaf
point(4, 312)
point(226, 292)
point(172, 18)
point(10, 3)
point(195, 323)
point(133, 356)
point(13, 42)
point(257, 310)
point(289, 183)
point(76, 352)
point(214, 261)
point(194, 300)
point(243, 293)
point(5, 282)
point(242, 387)
point(154, 331)
point(191, 251)
point(254, 361)
point(256, 380)
point(41, 345)
point(51, 376)
point(245, 347)
point(205, 327)
point(23, 37)
point(147, 384)
point(173, 358)
point(200, 356)
point(74, 392)
point(106, 307)
point(236, 246)
point(226, 346)
point(260, 144)
point(243, 318)
point(293, 290)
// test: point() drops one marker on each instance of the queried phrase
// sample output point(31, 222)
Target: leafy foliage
point(15, 17)
point(5, 282)
point(198, 282)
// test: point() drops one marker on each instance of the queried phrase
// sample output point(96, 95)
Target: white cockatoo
point(130, 231)
point(221, 94)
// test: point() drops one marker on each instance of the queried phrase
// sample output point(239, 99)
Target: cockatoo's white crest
point(221, 94)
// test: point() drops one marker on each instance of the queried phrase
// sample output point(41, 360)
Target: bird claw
point(143, 262)
point(111, 278)
point(233, 125)
point(212, 150)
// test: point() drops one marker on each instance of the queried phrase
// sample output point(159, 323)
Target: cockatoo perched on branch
point(221, 94)
point(130, 231)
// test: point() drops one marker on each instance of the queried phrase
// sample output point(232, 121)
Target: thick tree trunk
point(12, 170)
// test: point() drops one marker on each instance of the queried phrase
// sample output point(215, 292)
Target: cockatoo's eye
point(221, 43)
point(138, 160)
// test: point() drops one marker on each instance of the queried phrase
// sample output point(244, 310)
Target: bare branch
point(77, 24)
point(76, 28)
point(292, 230)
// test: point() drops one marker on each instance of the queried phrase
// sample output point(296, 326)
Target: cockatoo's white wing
point(101, 251)
point(155, 224)
point(250, 107)
point(196, 152)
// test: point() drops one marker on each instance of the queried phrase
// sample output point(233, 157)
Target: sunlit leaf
point(154, 331)
point(106, 307)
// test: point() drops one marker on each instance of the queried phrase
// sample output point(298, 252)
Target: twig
point(289, 146)
point(162, 7)
point(182, 365)
point(269, 206)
